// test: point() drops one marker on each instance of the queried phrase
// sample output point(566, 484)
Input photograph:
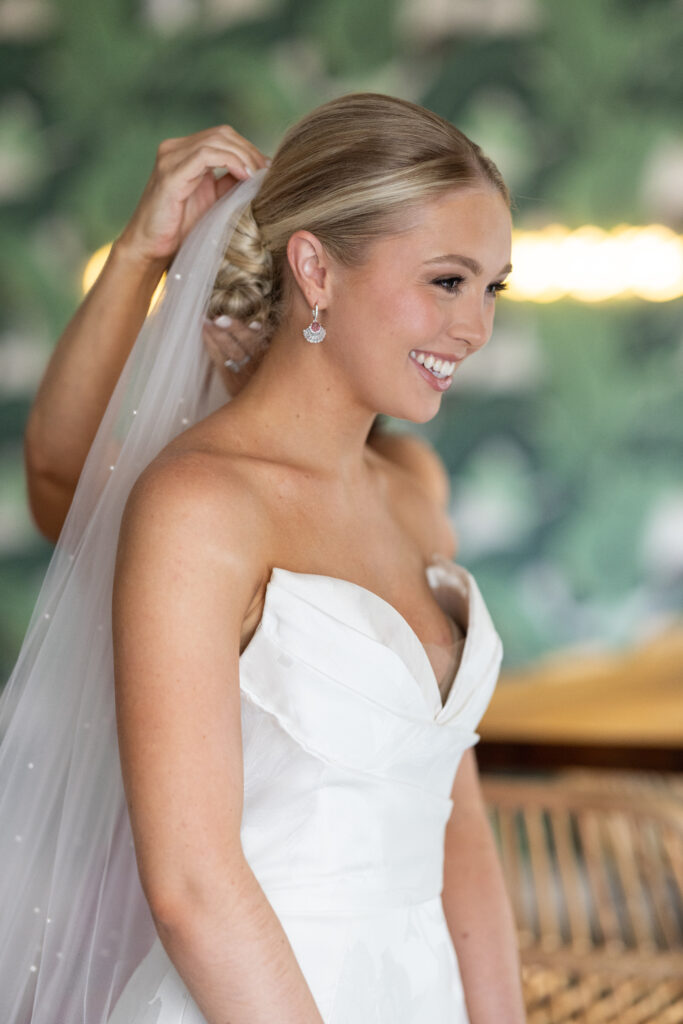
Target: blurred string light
point(592, 265)
point(588, 264)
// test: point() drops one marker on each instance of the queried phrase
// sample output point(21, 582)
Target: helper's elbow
point(48, 498)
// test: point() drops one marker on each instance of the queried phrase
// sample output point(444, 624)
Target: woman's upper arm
point(469, 807)
point(187, 569)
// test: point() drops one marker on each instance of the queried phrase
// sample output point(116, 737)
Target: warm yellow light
point(94, 266)
point(533, 276)
point(592, 265)
point(656, 263)
point(588, 264)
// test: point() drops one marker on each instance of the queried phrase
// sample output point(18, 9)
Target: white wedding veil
point(74, 922)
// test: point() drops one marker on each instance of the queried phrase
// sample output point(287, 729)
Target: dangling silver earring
point(315, 330)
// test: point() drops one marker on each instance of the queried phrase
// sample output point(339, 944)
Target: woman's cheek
point(416, 318)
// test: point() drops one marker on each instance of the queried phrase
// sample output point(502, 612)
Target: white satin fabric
point(349, 761)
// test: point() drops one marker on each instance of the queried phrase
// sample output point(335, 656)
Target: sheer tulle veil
point(74, 922)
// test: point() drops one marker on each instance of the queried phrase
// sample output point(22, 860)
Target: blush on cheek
point(413, 320)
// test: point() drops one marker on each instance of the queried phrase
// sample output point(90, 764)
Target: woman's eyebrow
point(468, 261)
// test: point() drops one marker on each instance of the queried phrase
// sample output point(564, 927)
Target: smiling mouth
point(439, 368)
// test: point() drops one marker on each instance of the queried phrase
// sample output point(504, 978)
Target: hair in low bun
point(243, 288)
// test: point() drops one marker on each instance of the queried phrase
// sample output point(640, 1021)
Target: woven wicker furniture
point(593, 862)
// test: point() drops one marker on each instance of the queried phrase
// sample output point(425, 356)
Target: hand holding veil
point(74, 922)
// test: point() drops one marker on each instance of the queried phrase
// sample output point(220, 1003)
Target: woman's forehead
point(476, 226)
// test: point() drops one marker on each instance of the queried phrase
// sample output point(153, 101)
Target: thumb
point(225, 183)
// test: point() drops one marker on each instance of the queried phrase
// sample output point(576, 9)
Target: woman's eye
point(497, 286)
point(446, 280)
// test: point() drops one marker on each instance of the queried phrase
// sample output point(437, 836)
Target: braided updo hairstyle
point(349, 172)
point(244, 283)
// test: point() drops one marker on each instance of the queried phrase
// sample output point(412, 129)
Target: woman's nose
point(473, 326)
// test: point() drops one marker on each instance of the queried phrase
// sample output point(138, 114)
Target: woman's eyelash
point(498, 286)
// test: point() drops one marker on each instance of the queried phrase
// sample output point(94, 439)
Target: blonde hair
point(349, 172)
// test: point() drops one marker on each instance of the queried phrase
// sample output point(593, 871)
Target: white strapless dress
point(349, 759)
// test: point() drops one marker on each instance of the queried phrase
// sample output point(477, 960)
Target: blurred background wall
point(564, 438)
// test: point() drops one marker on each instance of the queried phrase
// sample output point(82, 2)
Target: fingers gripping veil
point(74, 922)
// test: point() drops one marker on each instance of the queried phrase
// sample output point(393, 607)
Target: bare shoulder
point(192, 480)
point(197, 511)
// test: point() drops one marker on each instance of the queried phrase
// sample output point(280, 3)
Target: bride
point(283, 820)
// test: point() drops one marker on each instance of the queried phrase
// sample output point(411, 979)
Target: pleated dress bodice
point(364, 729)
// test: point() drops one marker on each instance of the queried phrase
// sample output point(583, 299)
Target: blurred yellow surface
point(634, 697)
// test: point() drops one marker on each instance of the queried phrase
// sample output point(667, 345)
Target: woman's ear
point(310, 267)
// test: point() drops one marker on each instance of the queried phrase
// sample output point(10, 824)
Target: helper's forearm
point(234, 956)
point(79, 380)
point(481, 923)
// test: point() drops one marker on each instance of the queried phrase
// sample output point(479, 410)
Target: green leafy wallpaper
point(564, 438)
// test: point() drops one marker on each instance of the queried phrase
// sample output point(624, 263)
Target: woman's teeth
point(438, 367)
